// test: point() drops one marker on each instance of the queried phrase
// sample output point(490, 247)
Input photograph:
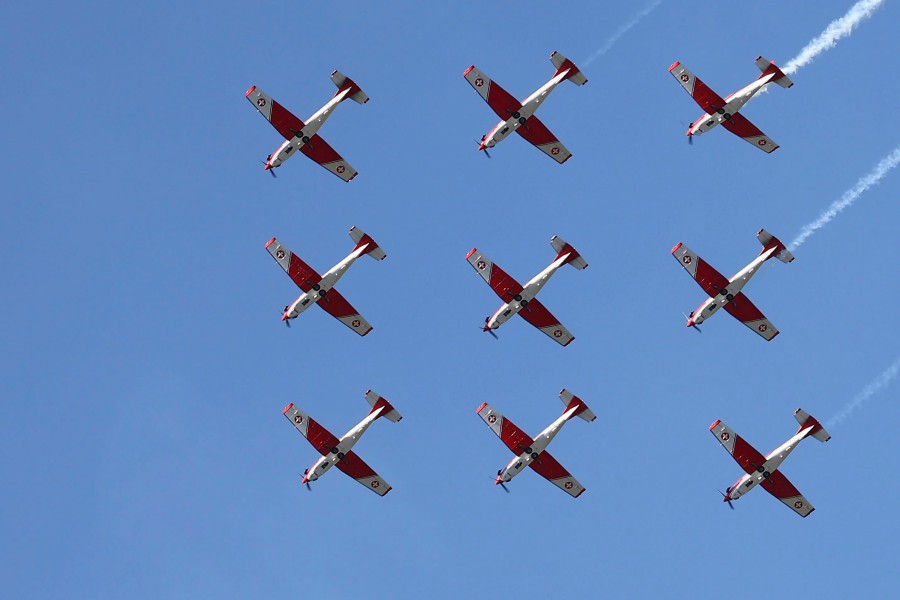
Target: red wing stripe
point(709, 279)
point(319, 150)
point(743, 310)
point(746, 455)
point(548, 467)
point(501, 101)
point(536, 132)
point(741, 126)
point(320, 438)
point(503, 284)
point(514, 438)
point(706, 97)
point(779, 486)
point(284, 121)
point(355, 467)
point(336, 305)
point(302, 274)
point(538, 315)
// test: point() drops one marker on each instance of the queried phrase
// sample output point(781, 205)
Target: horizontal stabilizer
point(562, 247)
point(345, 83)
point(570, 400)
point(805, 421)
point(376, 401)
point(361, 237)
point(769, 68)
point(770, 241)
point(562, 63)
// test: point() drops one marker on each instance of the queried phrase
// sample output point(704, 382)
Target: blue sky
point(146, 366)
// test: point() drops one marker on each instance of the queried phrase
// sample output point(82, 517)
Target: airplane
point(521, 300)
point(763, 470)
point(532, 452)
point(338, 452)
point(519, 116)
point(318, 289)
point(727, 292)
point(725, 112)
point(303, 136)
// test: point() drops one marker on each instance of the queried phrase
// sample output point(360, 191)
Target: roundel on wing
point(355, 323)
point(557, 333)
point(798, 504)
point(762, 328)
point(340, 169)
point(492, 419)
point(568, 485)
point(261, 102)
point(555, 150)
point(279, 254)
point(298, 419)
point(376, 484)
point(725, 436)
point(481, 265)
point(687, 259)
point(479, 82)
point(762, 142)
point(684, 77)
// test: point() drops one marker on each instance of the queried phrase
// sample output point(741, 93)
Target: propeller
point(694, 325)
point(269, 169)
point(690, 140)
point(308, 487)
point(488, 329)
point(503, 485)
point(724, 495)
point(486, 153)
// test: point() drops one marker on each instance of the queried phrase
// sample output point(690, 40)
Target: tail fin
point(570, 400)
point(769, 68)
point(805, 421)
point(562, 63)
point(361, 237)
point(770, 241)
point(345, 83)
point(390, 413)
point(562, 247)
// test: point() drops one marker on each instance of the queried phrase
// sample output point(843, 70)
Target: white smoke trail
point(849, 197)
point(622, 31)
point(881, 382)
point(836, 30)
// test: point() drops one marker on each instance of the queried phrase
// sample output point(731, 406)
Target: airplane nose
point(268, 166)
point(284, 317)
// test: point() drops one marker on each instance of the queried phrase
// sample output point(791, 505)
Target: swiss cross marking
point(569, 485)
point(687, 259)
point(298, 419)
point(762, 142)
point(376, 484)
point(557, 333)
point(280, 254)
point(355, 323)
point(684, 77)
point(798, 504)
point(554, 151)
point(261, 102)
point(492, 419)
point(725, 437)
point(340, 169)
point(479, 82)
point(763, 327)
point(481, 265)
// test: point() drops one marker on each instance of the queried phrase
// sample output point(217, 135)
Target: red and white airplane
point(521, 300)
point(519, 116)
point(303, 136)
point(763, 470)
point(318, 289)
point(727, 292)
point(338, 452)
point(533, 452)
point(725, 112)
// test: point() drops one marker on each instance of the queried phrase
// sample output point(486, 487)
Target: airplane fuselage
point(533, 452)
point(520, 118)
point(344, 446)
point(529, 291)
point(727, 294)
point(302, 137)
point(764, 471)
point(320, 289)
point(733, 104)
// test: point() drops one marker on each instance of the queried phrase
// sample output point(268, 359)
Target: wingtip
point(481, 408)
point(287, 408)
point(270, 242)
point(250, 91)
point(674, 64)
point(711, 427)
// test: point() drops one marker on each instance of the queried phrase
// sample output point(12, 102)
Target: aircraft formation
point(517, 299)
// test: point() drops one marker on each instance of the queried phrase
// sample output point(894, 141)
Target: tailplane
point(562, 63)
point(769, 241)
point(769, 68)
point(563, 247)
point(388, 412)
point(361, 237)
point(570, 401)
point(345, 83)
point(805, 421)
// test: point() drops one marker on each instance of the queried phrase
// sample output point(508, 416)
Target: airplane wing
point(337, 306)
point(709, 279)
point(356, 468)
point(514, 438)
point(536, 314)
point(323, 441)
point(541, 138)
point(743, 453)
point(740, 126)
point(779, 486)
point(550, 469)
point(502, 283)
point(302, 274)
point(699, 91)
point(318, 150)
point(281, 118)
point(744, 311)
point(501, 101)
